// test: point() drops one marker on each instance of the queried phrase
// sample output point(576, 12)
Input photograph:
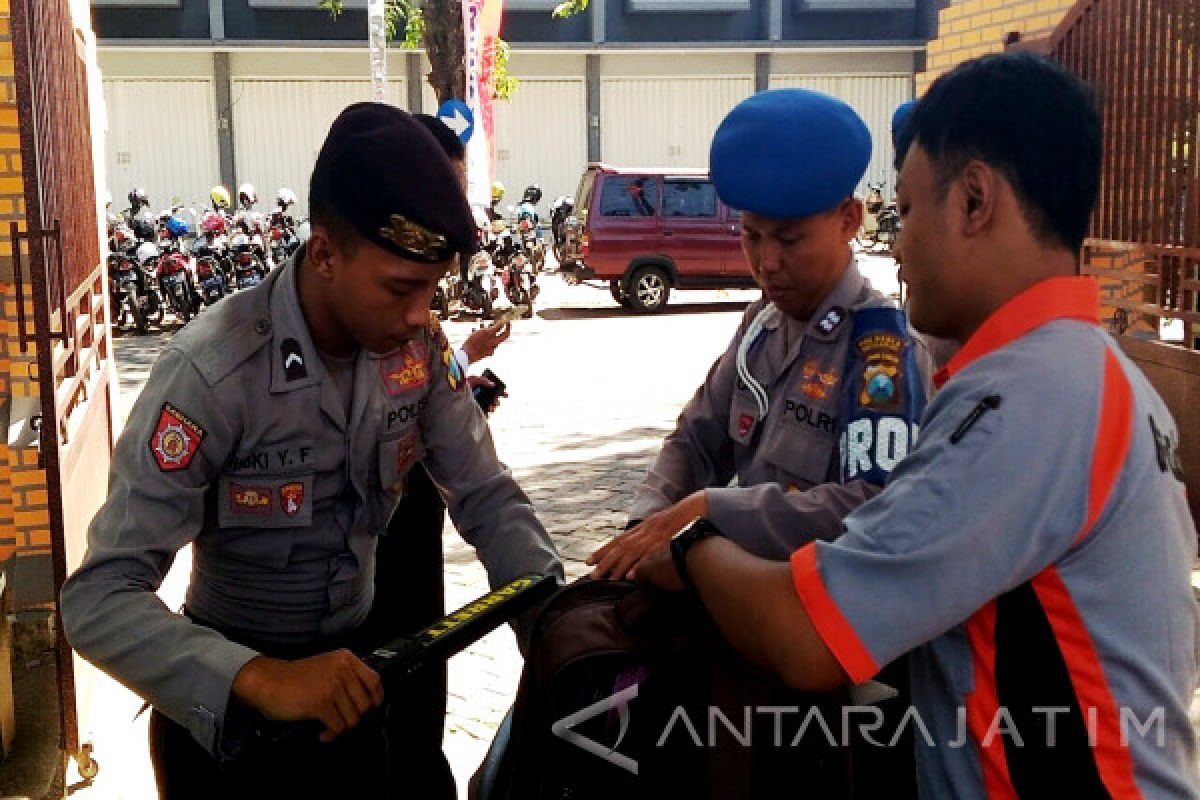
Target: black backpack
point(621, 678)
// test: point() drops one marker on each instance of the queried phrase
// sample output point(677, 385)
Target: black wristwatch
point(697, 531)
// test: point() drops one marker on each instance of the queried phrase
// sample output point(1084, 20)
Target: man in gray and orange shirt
point(1034, 550)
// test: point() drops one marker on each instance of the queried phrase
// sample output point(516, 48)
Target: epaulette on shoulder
point(222, 338)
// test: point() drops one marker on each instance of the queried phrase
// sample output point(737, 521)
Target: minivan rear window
point(629, 196)
point(689, 198)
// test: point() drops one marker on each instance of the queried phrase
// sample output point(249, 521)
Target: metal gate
point(65, 287)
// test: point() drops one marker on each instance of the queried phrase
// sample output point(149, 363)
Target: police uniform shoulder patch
point(882, 353)
point(176, 439)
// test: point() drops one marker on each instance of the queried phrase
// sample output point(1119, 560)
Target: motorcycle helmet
point(533, 194)
point(147, 251)
point(176, 226)
point(143, 224)
point(497, 192)
point(213, 222)
point(247, 196)
point(220, 197)
point(138, 198)
point(285, 198)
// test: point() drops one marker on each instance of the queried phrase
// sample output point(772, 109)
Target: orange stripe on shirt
point(983, 705)
point(1114, 431)
point(1114, 761)
point(827, 618)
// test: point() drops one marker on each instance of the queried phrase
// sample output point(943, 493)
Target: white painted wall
point(279, 126)
point(162, 137)
point(665, 121)
point(875, 98)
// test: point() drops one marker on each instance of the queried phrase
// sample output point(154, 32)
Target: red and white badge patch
point(176, 439)
point(408, 369)
point(291, 498)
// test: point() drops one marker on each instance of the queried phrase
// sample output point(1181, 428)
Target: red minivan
point(646, 231)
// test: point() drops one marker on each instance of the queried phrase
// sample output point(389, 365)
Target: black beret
point(447, 138)
point(384, 173)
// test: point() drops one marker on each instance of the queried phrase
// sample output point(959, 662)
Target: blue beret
point(900, 117)
point(383, 171)
point(789, 153)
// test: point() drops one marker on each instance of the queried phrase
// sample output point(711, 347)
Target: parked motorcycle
point(479, 291)
point(282, 228)
point(881, 223)
point(212, 244)
point(248, 267)
point(559, 212)
point(125, 282)
point(176, 286)
point(141, 295)
point(519, 283)
point(530, 232)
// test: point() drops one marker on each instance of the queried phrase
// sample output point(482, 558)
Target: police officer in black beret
point(274, 436)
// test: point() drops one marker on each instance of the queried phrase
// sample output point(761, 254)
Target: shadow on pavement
point(611, 312)
point(584, 502)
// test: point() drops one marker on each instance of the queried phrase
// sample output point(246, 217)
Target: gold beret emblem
point(416, 238)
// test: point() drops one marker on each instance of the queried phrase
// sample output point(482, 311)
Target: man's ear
point(979, 187)
point(851, 215)
point(321, 253)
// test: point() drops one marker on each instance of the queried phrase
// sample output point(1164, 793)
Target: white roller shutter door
point(162, 137)
point(541, 137)
point(875, 98)
point(665, 122)
point(279, 126)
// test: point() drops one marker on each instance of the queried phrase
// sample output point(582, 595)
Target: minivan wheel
point(648, 289)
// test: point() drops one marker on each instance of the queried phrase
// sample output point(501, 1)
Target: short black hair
point(321, 213)
point(447, 138)
point(1026, 116)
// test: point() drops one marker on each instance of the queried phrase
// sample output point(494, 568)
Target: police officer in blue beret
point(775, 409)
point(274, 435)
point(818, 394)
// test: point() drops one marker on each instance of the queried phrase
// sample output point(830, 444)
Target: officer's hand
point(483, 342)
point(617, 559)
point(336, 688)
point(658, 569)
point(479, 380)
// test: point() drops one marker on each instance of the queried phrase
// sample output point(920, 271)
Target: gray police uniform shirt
point(787, 466)
point(240, 444)
point(1034, 552)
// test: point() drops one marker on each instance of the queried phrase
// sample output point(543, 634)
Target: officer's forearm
point(755, 605)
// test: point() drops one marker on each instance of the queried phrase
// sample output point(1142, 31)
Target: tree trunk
point(446, 48)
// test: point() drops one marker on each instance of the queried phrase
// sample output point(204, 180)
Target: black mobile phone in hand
point(486, 396)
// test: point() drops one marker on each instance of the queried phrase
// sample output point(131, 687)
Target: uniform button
point(263, 327)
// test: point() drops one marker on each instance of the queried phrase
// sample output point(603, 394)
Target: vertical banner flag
point(377, 44)
point(481, 27)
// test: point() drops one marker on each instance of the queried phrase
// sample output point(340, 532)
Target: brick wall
point(970, 28)
point(24, 512)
